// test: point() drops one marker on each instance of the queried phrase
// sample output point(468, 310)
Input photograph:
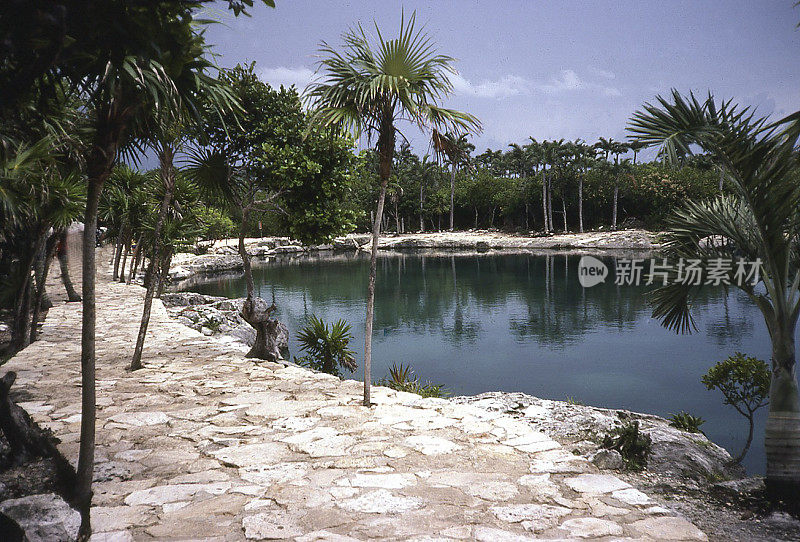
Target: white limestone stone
point(431, 445)
point(384, 481)
point(631, 496)
point(595, 483)
point(160, 495)
point(381, 502)
point(251, 454)
point(140, 419)
point(591, 527)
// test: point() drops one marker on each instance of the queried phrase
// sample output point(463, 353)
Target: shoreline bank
point(222, 256)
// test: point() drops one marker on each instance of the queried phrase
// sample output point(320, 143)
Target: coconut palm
point(369, 87)
point(758, 221)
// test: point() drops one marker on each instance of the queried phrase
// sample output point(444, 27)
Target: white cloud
point(298, 76)
point(566, 80)
point(602, 73)
point(514, 85)
point(506, 86)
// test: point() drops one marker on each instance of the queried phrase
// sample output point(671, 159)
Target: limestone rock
point(607, 459)
point(381, 502)
point(44, 518)
point(591, 527)
point(669, 528)
point(595, 483)
point(275, 524)
point(431, 445)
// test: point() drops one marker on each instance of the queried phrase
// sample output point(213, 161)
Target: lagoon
point(521, 322)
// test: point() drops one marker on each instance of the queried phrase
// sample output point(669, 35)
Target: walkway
point(203, 444)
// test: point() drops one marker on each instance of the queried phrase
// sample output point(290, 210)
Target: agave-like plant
point(758, 221)
point(369, 87)
point(328, 345)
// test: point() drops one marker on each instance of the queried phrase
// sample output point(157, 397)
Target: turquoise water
point(513, 322)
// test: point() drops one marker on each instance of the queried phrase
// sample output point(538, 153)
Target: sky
point(549, 69)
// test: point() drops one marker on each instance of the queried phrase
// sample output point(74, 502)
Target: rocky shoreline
point(223, 256)
point(686, 470)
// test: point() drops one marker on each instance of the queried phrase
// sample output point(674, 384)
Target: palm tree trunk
point(782, 434)
point(614, 211)
point(385, 151)
point(544, 199)
point(527, 226)
point(421, 215)
point(165, 159)
point(136, 259)
point(564, 212)
point(580, 204)
point(40, 301)
point(550, 203)
point(125, 249)
point(476, 218)
point(452, 193)
point(63, 264)
point(117, 256)
point(166, 262)
point(22, 321)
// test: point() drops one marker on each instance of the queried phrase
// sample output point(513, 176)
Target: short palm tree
point(369, 87)
point(758, 221)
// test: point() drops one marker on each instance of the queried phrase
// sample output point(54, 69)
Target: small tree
point(744, 381)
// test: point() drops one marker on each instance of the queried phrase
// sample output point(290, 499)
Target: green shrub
point(686, 422)
point(632, 445)
point(744, 382)
point(402, 378)
point(326, 346)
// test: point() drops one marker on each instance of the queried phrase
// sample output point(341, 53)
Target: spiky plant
point(328, 346)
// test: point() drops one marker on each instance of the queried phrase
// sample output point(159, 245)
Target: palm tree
point(457, 150)
point(427, 171)
point(758, 221)
point(368, 88)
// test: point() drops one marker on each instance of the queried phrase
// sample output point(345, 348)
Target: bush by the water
point(633, 445)
point(687, 422)
point(744, 382)
point(402, 378)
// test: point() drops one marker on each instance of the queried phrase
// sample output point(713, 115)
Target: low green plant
point(744, 382)
point(327, 347)
point(686, 422)
point(571, 400)
point(402, 378)
point(633, 445)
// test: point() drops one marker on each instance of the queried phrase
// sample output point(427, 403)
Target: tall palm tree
point(427, 171)
point(456, 149)
point(368, 87)
point(758, 221)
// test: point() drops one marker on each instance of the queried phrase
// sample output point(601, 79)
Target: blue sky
point(550, 69)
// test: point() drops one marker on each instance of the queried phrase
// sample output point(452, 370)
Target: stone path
point(203, 444)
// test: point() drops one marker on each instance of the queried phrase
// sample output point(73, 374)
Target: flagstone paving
point(204, 444)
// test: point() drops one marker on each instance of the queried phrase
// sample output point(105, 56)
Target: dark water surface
point(522, 322)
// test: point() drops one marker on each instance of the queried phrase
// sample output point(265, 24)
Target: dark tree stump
point(26, 440)
point(271, 335)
